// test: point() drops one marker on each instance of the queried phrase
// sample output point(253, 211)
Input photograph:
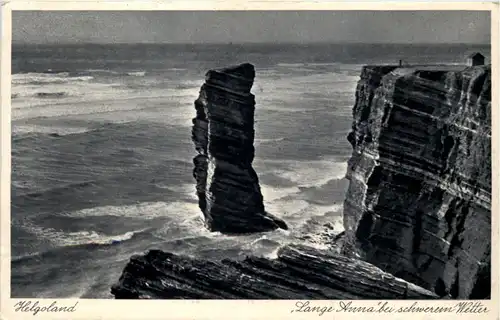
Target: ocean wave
point(44, 78)
point(323, 64)
point(274, 193)
point(325, 80)
point(97, 98)
point(59, 189)
point(274, 105)
point(184, 86)
point(310, 173)
point(22, 257)
point(18, 131)
point(293, 65)
point(134, 73)
point(308, 221)
point(319, 230)
point(288, 208)
point(137, 73)
point(177, 69)
point(41, 94)
point(83, 239)
point(187, 190)
point(257, 140)
point(145, 210)
point(107, 71)
point(264, 246)
point(190, 236)
point(60, 238)
point(51, 94)
point(52, 71)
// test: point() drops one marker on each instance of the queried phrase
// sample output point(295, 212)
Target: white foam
point(22, 129)
point(137, 73)
point(27, 96)
point(274, 193)
point(323, 64)
point(186, 189)
point(63, 239)
point(320, 210)
point(189, 226)
point(290, 65)
point(144, 210)
point(32, 77)
point(111, 104)
point(310, 173)
point(103, 71)
point(187, 223)
point(257, 140)
point(185, 218)
point(271, 105)
point(287, 208)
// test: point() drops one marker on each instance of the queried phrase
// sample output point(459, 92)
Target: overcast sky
point(224, 27)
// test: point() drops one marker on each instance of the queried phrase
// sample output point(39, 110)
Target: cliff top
point(429, 67)
point(236, 79)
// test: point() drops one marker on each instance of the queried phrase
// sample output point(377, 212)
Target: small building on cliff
point(475, 59)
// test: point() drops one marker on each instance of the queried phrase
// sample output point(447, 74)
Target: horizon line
point(249, 42)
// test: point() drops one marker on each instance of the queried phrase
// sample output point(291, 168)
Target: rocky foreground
point(299, 272)
point(417, 213)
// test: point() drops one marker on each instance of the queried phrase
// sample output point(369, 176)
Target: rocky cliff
point(419, 200)
point(417, 212)
point(223, 134)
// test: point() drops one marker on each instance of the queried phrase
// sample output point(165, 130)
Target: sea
point(102, 152)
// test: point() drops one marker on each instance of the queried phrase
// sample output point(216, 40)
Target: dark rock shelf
point(299, 272)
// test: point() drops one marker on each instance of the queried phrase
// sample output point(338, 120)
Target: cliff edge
point(419, 199)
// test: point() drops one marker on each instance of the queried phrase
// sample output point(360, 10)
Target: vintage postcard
point(249, 160)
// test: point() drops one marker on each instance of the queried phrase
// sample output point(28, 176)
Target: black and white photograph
point(287, 155)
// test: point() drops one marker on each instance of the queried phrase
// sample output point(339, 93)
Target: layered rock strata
point(299, 272)
point(419, 200)
point(417, 213)
point(223, 134)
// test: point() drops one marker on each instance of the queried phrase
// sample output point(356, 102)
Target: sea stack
point(419, 200)
point(223, 134)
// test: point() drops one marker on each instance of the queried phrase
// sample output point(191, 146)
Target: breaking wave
point(137, 73)
point(44, 78)
point(65, 239)
point(83, 239)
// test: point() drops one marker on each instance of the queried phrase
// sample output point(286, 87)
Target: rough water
point(102, 152)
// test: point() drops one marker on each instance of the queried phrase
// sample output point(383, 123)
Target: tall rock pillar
point(227, 186)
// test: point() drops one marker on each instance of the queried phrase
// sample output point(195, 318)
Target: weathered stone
point(419, 200)
point(227, 186)
point(299, 272)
